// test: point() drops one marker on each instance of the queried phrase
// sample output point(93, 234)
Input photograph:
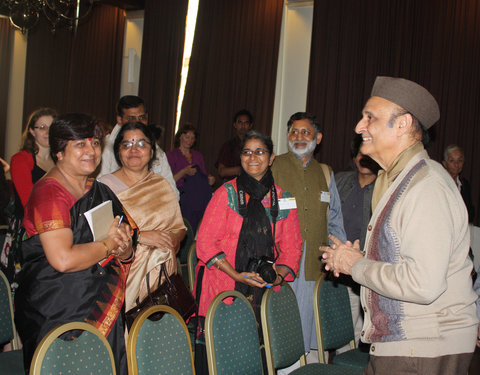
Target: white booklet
point(100, 219)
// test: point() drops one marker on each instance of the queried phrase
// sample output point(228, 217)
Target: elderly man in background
point(453, 160)
point(416, 290)
point(318, 207)
point(131, 108)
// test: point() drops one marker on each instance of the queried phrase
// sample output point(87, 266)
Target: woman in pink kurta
point(248, 219)
point(218, 238)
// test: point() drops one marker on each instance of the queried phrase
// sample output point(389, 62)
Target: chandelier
point(24, 14)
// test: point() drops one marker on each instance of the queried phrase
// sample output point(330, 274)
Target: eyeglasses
point(141, 143)
point(304, 132)
point(139, 118)
point(42, 128)
point(257, 152)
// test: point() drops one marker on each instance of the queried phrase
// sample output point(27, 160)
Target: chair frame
point(212, 368)
point(266, 329)
point(135, 329)
point(318, 323)
point(15, 340)
point(50, 337)
point(191, 269)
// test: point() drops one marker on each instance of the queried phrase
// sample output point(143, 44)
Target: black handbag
point(172, 292)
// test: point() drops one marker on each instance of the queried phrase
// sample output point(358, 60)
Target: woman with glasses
point(150, 201)
point(33, 160)
point(249, 238)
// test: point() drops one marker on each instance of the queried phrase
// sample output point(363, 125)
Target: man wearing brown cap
point(414, 270)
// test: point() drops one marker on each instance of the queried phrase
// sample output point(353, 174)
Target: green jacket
point(306, 184)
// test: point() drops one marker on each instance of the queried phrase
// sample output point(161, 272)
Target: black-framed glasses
point(257, 152)
point(141, 143)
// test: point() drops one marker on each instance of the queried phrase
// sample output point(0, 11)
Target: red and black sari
point(46, 297)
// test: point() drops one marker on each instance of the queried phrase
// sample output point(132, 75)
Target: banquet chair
point(231, 336)
point(184, 249)
point(334, 325)
point(159, 347)
point(11, 361)
point(192, 261)
point(283, 337)
point(89, 353)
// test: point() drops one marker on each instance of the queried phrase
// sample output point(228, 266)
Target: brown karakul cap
point(410, 96)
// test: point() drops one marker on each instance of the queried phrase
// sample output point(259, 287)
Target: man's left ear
point(405, 122)
point(319, 138)
point(272, 158)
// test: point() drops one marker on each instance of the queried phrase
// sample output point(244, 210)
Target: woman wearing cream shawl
point(151, 203)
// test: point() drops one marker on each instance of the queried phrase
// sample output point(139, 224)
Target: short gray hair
point(451, 148)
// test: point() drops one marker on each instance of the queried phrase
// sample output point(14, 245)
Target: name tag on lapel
point(325, 197)
point(287, 203)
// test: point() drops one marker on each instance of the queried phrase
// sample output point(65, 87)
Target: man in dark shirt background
point(228, 162)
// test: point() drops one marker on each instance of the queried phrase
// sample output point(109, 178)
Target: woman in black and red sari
point(67, 276)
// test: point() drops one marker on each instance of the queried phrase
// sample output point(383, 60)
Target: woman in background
point(33, 160)
point(189, 172)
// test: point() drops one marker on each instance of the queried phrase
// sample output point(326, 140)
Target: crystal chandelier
point(24, 14)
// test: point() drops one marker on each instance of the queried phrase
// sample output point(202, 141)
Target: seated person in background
point(228, 162)
point(453, 160)
point(232, 234)
point(67, 276)
point(150, 201)
point(33, 160)
point(189, 172)
point(132, 108)
point(355, 189)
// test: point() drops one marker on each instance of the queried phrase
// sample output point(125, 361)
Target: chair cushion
point(322, 369)
point(12, 362)
point(354, 358)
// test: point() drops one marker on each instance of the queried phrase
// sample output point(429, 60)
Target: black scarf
point(256, 237)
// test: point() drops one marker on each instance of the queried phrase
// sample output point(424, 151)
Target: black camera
point(264, 267)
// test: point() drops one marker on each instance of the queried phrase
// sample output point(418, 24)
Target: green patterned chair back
point(184, 249)
point(11, 362)
point(7, 327)
point(282, 328)
point(159, 347)
point(90, 353)
point(192, 261)
point(334, 325)
point(334, 314)
point(231, 336)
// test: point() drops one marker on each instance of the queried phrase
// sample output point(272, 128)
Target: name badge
point(287, 203)
point(325, 197)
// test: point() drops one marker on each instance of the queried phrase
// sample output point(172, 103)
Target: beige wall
point(16, 87)
point(292, 71)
